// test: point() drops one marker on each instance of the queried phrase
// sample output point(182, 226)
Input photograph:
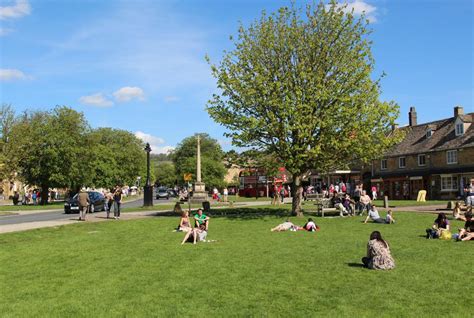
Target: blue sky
point(139, 65)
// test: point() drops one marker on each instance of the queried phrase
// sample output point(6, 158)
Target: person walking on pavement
point(117, 202)
point(83, 202)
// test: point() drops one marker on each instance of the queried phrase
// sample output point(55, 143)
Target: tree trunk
point(297, 195)
point(44, 194)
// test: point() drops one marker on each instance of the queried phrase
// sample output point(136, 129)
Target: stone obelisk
point(199, 191)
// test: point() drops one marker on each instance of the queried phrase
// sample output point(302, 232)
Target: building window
point(421, 160)
point(452, 157)
point(383, 164)
point(449, 183)
point(459, 129)
point(429, 133)
point(401, 162)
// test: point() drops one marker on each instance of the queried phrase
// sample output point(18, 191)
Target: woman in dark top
point(467, 233)
point(440, 224)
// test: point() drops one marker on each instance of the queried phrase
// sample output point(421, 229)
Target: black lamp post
point(148, 188)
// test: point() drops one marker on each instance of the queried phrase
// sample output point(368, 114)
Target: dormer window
point(459, 129)
point(429, 133)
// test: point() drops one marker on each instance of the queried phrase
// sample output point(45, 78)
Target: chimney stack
point(458, 110)
point(412, 116)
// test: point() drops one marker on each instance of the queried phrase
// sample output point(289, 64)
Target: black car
point(97, 203)
point(162, 193)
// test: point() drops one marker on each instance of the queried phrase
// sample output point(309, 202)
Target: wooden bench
point(313, 196)
point(325, 206)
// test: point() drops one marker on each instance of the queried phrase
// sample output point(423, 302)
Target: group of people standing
point(113, 199)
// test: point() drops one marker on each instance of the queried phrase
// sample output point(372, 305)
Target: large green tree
point(212, 164)
point(7, 162)
point(51, 149)
point(165, 173)
point(298, 85)
point(118, 157)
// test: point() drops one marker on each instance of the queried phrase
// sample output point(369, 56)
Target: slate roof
point(443, 137)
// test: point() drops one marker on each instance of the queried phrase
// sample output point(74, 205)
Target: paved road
point(60, 215)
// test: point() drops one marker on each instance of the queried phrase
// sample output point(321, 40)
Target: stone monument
point(199, 190)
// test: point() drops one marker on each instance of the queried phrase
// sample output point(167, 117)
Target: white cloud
point(156, 143)
point(171, 99)
point(12, 74)
point(126, 94)
point(5, 31)
point(360, 7)
point(96, 100)
point(17, 10)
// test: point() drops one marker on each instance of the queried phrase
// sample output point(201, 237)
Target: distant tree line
point(58, 149)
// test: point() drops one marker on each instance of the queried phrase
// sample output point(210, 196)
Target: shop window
point(452, 157)
point(449, 183)
point(421, 160)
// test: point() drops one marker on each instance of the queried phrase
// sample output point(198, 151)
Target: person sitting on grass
point(467, 233)
point(195, 235)
point(310, 226)
point(374, 215)
point(457, 212)
point(200, 218)
point(184, 224)
point(389, 218)
point(378, 253)
point(440, 224)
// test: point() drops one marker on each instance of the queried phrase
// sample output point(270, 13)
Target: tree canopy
point(298, 86)
point(118, 157)
point(57, 148)
point(212, 165)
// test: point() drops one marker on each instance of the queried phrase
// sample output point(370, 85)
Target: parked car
point(172, 193)
point(162, 193)
point(97, 203)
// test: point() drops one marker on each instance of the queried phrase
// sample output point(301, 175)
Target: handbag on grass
point(445, 235)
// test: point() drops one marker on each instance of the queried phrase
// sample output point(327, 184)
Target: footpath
point(102, 217)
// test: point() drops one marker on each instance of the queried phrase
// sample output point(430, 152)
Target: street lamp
point(148, 188)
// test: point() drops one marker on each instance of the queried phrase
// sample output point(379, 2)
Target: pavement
point(28, 220)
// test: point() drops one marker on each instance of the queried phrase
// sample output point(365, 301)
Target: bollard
point(385, 202)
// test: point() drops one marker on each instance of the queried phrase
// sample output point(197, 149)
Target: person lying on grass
point(378, 253)
point(467, 233)
point(200, 219)
point(289, 226)
point(440, 225)
point(374, 215)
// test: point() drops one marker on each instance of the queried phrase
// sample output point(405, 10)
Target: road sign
point(188, 176)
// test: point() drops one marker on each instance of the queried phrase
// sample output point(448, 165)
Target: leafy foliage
point(298, 87)
point(118, 157)
point(51, 148)
point(212, 166)
point(165, 174)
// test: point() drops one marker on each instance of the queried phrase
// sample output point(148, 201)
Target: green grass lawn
point(49, 206)
point(138, 268)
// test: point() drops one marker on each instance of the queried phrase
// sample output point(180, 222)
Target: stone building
point(437, 157)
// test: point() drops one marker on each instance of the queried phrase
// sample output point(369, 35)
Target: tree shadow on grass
point(355, 265)
point(235, 213)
